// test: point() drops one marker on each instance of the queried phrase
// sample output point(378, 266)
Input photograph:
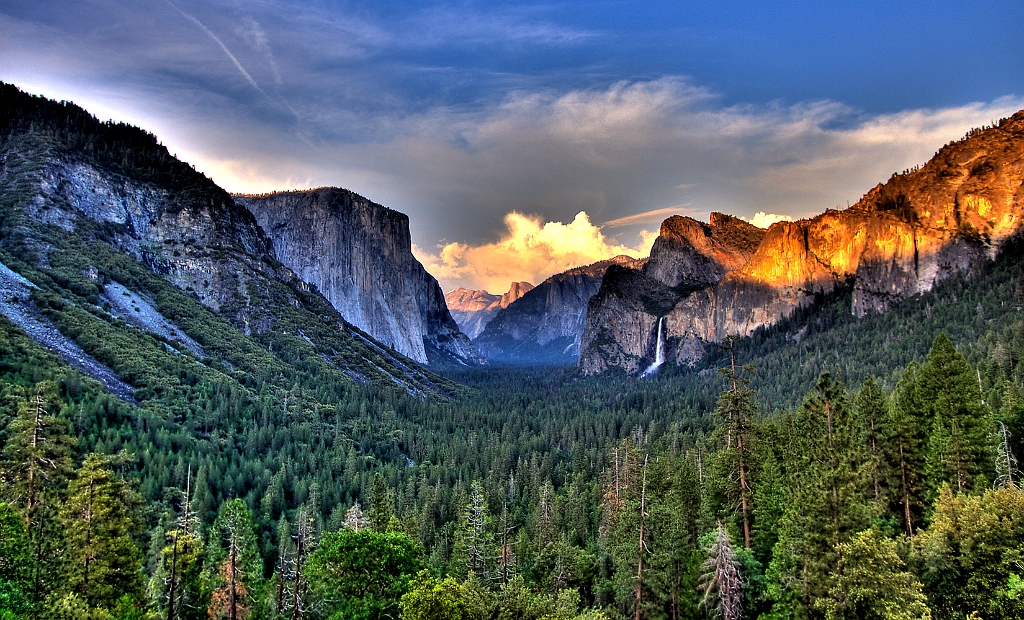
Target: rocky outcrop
point(473, 310)
point(900, 239)
point(546, 324)
point(693, 254)
point(105, 189)
point(688, 255)
point(359, 256)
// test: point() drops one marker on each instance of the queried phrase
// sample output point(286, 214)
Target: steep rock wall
point(359, 255)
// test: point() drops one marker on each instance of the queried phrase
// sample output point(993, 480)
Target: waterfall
point(659, 351)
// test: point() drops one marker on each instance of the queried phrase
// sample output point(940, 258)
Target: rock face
point(59, 181)
point(359, 255)
point(902, 237)
point(546, 324)
point(688, 255)
point(473, 310)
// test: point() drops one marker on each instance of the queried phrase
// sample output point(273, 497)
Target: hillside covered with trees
point(825, 467)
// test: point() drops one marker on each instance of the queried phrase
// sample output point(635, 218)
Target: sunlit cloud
point(764, 220)
point(529, 249)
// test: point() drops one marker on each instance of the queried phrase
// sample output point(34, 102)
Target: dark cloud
point(459, 114)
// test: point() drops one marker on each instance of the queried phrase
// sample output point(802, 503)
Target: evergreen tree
point(905, 435)
point(871, 582)
point(36, 464)
point(16, 564)
point(474, 542)
point(871, 408)
point(236, 569)
point(828, 489)
point(736, 412)
point(959, 450)
point(100, 518)
point(720, 580)
point(380, 511)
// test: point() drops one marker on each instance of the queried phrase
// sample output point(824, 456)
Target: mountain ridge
point(902, 237)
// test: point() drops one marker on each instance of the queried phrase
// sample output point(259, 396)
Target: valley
point(241, 406)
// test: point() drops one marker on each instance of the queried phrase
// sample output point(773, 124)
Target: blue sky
point(461, 113)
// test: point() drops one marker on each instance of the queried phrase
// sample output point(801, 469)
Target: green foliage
point(969, 558)
point(100, 518)
point(431, 599)
point(363, 575)
point(871, 582)
point(15, 564)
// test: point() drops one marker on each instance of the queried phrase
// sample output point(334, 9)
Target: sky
point(524, 138)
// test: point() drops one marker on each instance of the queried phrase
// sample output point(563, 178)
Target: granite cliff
point(546, 324)
point(473, 310)
point(79, 197)
point(359, 256)
point(901, 238)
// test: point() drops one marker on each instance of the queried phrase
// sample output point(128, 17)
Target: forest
point(539, 494)
point(825, 467)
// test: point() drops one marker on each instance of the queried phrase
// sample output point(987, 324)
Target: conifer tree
point(905, 439)
point(36, 464)
point(959, 450)
point(827, 487)
point(871, 408)
point(380, 512)
point(235, 562)
point(100, 518)
point(474, 545)
point(737, 411)
point(720, 580)
point(181, 560)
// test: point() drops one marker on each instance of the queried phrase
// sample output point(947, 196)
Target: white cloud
point(530, 249)
point(764, 220)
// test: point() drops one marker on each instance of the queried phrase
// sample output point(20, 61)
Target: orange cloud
point(529, 250)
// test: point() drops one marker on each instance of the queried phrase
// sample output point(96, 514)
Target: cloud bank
point(529, 250)
point(460, 115)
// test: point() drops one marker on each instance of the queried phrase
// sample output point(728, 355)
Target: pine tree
point(720, 580)
point(474, 545)
point(36, 464)
point(871, 408)
point(828, 489)
point(905, 438)
point(380, 512)
point(1006, 463)
point(960, 449)
point(181, 560)
point(737, 411)
point(236, 563)
point(100, 518)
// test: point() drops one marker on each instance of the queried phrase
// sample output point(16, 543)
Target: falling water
point(659, 351)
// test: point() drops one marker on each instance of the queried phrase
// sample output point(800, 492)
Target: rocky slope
point(473, 310)
point(900, 239)
point(359, 255)
point(77, 196)
point(546, 324)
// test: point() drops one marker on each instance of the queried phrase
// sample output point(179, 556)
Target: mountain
point(473, 310)
point(108, 242)
point(546, 324)
point(900, 239)
point(359, 256)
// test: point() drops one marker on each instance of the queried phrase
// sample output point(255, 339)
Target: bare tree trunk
point(906, 494)
point(232, 597)
point(640, 548)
